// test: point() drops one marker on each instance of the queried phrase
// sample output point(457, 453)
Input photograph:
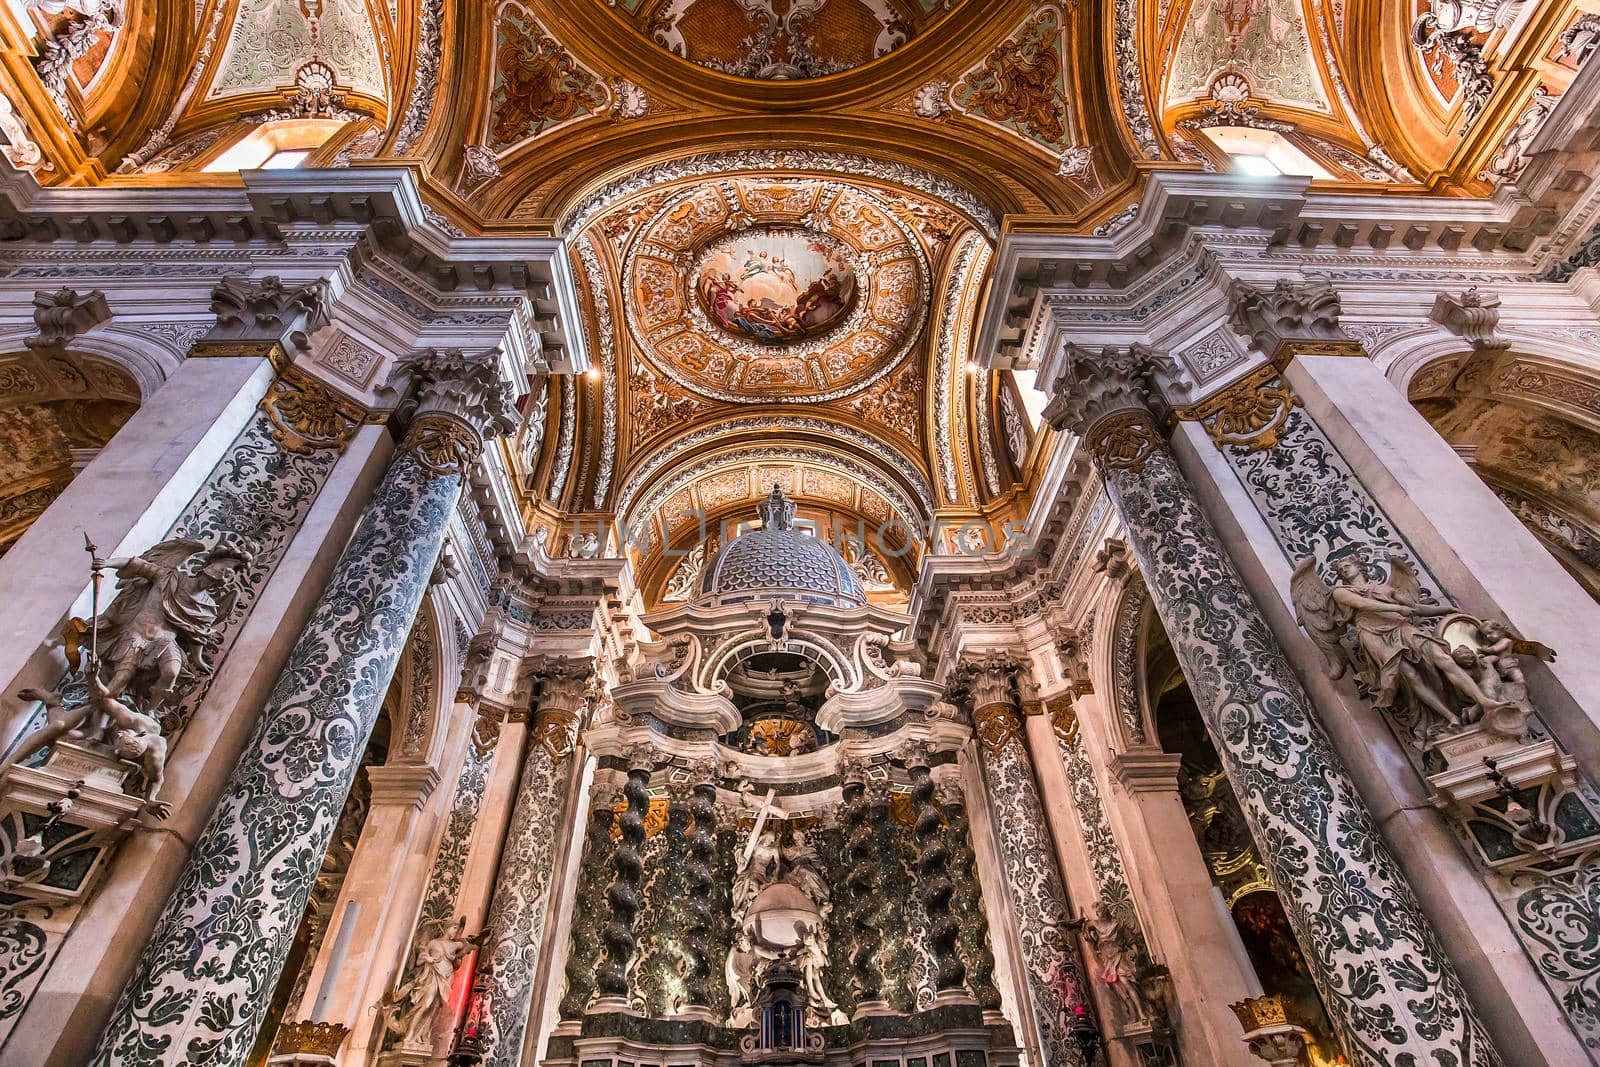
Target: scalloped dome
point(777, 558)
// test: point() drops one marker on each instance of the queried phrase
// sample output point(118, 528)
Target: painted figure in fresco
point(164, 615)
point(409, 1011)
point(1394, 655)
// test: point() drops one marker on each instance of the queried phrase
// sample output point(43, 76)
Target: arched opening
point(1242, 883)
point(57, 412)
point(1540, 456)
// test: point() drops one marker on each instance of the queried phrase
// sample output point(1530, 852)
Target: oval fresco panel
point(776, 286)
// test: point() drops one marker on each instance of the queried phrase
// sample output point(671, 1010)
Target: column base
point(612, 1006)
point(407, 1058)
point(868, 1008)
point(947, 997)
point(991, 1017)
point(697, 1013)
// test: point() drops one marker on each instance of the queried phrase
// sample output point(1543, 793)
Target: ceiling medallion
point(775, 290)
point(776, 285)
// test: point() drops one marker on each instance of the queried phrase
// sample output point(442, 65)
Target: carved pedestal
point(72, 805)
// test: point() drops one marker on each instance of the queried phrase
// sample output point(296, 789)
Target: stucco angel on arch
point(1397, 652)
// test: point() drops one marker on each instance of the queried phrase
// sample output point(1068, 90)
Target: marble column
point(622, 895)
point(934, 884)
point(1392, 992)
point(967, 904)
point(701, 882)
point(1055, 977)
point(521, 902)
point(204, 981)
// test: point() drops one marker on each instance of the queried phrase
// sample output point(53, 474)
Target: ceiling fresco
point(783, 40)
point(790, 291)
point(781, 214)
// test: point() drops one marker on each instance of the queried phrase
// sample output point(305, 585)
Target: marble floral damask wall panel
point(270, 39)
point(1264, 40)
point(258, 495)
point(538, 84)
point(783, 39)
point(1310, 498)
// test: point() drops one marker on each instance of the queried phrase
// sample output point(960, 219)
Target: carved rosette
point(1384, 979)
point(1111, 399)
point(1062, 1007)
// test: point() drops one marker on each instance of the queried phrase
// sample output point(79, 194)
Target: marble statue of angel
point(813, 962)
point(1394, 655)
point(409, 1011)
point(1116, 961)
point(165, 614)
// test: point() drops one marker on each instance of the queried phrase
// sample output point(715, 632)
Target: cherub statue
point(1393, 654)
point(131, 735)
point(408, 1011)
point(164, 616)
point(1117, 962)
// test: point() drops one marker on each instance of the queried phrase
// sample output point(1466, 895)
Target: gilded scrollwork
point(1251, 413)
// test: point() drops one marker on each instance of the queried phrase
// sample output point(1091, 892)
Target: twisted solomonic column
point(701, 882)
point(584, 952)
point(861, 847)
point(1388, 986)
point(627, 867)
point(520, 906)
point(933, 880)
point(204, 981)
point(1055, 976)
point(976, 952)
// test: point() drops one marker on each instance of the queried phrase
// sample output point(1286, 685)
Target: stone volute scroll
point(1292, 318)
point(1274, 751)
point(62, 315)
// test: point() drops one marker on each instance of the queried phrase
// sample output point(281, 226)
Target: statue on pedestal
point(1399, 658)
point(409, 1010)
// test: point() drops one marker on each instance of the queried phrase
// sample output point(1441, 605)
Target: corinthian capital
point(448, 382)
point(264, 311)
point(1289, 317)
point(1092, 385)
point(562, 684)
point(986, 679)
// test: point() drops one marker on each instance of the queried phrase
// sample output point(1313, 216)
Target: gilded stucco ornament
point(1251, 413)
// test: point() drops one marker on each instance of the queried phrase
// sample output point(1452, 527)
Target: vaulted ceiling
point(781, 212)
